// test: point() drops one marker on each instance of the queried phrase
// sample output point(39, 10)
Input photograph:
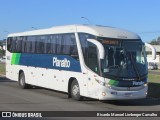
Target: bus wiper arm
point(135, 67)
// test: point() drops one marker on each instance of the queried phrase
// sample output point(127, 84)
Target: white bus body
point(27, 53)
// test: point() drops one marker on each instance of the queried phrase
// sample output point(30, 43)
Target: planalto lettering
point(61, 63)
point(138, 83)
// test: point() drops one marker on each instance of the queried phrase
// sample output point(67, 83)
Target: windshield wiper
point(134, 66)
point(120, 67)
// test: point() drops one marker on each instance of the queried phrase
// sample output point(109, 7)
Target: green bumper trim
point(113, 82)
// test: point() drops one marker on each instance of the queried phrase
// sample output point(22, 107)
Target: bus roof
point(102, 31)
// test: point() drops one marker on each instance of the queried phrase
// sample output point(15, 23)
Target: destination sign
point(110, 42)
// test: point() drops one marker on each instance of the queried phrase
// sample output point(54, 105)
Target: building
point(149, 55)
point(4, 46)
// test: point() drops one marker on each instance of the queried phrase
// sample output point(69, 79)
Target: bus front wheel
point(22, 82)
point(75, 91)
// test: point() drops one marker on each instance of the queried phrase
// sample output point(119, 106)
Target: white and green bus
point(99, 62)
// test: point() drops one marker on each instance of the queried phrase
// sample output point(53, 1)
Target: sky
point(139, 16)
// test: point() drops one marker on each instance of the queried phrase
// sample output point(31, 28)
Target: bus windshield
point(126, 61)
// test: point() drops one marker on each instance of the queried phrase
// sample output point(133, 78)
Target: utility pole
point(34, 28)
point(89, 22)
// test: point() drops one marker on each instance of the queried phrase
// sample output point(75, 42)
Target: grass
point(153, 83)
point(153, 78)
point(2, 68)
point(154, 86)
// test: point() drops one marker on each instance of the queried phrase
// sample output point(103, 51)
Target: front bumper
point(112, 94)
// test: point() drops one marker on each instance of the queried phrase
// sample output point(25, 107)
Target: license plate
point(128, 94)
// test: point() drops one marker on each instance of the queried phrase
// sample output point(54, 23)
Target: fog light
point(103, 94)
point(145, 85)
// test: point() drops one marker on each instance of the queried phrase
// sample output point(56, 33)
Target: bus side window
point(40, 44)
point(47, 44)
point(14, 43)
point(33, 44)
point(93, 57)
point(19, 44)
point(84, 46)
point(74, 50)
point(9, 43)
point(42, 41)
point(23, 44)
point(69, 46)
point(59, 44)
point(27, 45)
point(89, 52)
point(53, 49)
point(66, 43)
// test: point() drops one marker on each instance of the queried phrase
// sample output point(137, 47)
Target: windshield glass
point(125, 61)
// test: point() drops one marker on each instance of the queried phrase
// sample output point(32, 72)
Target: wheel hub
point(21, 81)
point(75, 89)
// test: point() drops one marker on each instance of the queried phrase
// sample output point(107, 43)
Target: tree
point(1, 43)
point(158, 39)
point(2, 53)
point(155, 42)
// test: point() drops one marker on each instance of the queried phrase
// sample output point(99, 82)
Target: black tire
point(22, 82)
point(75, 91)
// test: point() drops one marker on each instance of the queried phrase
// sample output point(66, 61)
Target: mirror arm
point(99, 46)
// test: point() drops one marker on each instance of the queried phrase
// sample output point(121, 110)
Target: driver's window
point(93, 57)
point(110, 56)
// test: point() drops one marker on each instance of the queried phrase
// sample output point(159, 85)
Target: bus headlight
point(103, 83)
point(100, 82)
point(108, 85)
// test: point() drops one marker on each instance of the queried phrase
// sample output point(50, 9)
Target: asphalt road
point(13, 98)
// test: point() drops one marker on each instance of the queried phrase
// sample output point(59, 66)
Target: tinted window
point(14, 44)
point(84, 44)
point(32, 40)
point(53, 48)
point(9, 43)
point(64, 44)
point(93, 57)
point(19, 44)
point(24, 39)
point(59, 44)
point(47, 44)
point(40, 44)
point(69, 46)
point(28, 45)
point(89, 50)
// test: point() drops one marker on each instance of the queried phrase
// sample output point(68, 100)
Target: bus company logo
point(61, 63)
point(138, 83)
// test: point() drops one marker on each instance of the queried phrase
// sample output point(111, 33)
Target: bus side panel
point(68, 75)
point(49, 78)
point(11, 70)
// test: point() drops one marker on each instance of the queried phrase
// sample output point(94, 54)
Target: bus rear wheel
point(22, 82)
point(75, 91)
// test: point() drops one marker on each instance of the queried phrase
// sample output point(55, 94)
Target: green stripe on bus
point(18, 55)
point(15, 58)
point(113, 82)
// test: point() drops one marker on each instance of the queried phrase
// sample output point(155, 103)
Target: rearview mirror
point(153, 50)
point(99, 46)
